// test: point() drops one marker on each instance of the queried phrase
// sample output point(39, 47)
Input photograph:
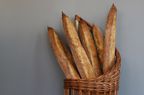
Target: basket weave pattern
point(106, 84)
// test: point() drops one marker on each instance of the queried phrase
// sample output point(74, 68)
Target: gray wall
point(27, 64)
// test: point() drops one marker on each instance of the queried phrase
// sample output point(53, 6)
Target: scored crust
point(109, 42)
point(80, 57)
point(63, 55)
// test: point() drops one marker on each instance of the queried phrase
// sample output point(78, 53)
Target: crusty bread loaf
point(80, 57)
point(98, 37)
point(63, 55)
point(109, 42)
point(89, 46)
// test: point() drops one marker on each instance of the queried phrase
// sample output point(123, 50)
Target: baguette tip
point(49, 28)
point(77, 17)
point(113, 7)
point(63, 14)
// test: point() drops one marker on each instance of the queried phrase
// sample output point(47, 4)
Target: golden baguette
point(98, 37)
point(89, 46)
point(110, 33)
point(80, 57)
point(63, 55)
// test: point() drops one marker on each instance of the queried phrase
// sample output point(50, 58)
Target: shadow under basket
point(106, 84)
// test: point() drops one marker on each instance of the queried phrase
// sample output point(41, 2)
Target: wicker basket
point(106, 84)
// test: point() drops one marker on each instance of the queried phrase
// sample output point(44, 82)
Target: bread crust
point(63, 56)
point(80, 57)
point(109, 42)
point(89, 46)
point(98, 37)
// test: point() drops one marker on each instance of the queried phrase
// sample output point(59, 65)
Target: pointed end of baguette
point(77, 17)
point(113, 7)
point(63, 14)
point(49, 29)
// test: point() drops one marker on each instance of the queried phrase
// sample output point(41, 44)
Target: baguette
point(63, 55)
point(80, 57)
point(89, 46)
point(109, 42)
point(98, 37)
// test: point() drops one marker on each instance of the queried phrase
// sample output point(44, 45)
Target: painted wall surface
point(27, 63)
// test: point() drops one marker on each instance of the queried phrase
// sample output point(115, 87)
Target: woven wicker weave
point(106, 84)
